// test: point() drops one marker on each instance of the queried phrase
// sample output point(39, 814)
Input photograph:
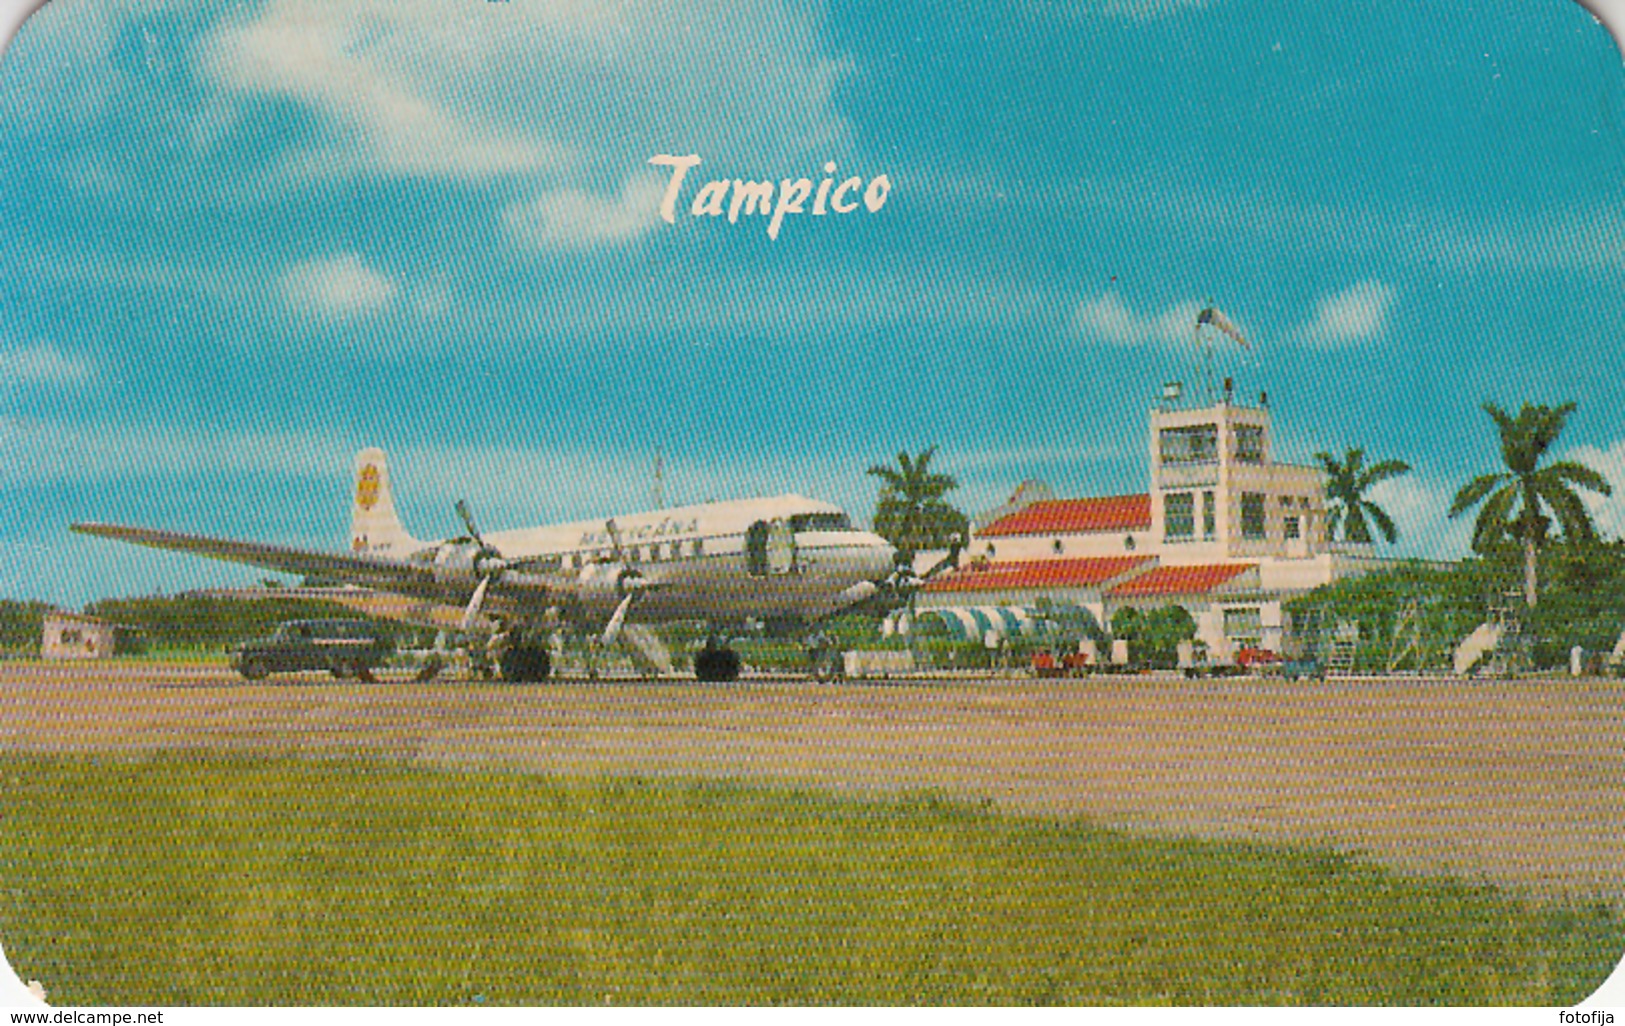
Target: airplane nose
point(879, 558)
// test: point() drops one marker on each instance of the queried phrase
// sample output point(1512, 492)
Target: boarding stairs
point(1345, 645)
point(1475, 647)
point(648, 652)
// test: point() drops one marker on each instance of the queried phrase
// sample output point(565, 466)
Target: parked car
point(1256, 659)
point(344, 648)
point(1301, 669)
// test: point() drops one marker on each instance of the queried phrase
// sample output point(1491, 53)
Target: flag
point(1211, 315)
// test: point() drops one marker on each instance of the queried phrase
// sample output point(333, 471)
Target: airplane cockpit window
point(820, 522)
point(781, 548)
point(770, 548)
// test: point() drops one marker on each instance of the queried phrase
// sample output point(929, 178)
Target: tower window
point(1249, 444)
point(1179, 515)
point(1252, 515)
point(1199, 444)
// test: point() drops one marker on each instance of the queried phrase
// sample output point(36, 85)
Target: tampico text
point(734, 195)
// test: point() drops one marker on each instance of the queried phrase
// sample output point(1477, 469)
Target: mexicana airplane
point(787, 561)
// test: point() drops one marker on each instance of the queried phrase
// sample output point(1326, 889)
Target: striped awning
point(972, 623)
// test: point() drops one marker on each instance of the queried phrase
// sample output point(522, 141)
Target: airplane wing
point(369, 571)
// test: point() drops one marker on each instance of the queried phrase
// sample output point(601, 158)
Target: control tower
point(1217, 493)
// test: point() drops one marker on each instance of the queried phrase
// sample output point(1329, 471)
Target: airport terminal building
point(1224, 530)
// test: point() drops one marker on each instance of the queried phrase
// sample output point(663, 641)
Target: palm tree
point(911, 512)
point(1530, 488)
point(1347, 481)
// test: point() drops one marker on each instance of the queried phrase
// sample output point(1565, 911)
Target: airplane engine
point(462, 563)
point(603, 586)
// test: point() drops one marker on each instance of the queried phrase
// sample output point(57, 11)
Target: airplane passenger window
point(820, 522)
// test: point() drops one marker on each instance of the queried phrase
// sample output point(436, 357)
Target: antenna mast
point(1212, 317)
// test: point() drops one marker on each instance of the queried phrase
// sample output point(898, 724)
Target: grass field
point(194, 879)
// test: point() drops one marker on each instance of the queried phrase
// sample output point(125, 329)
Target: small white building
point(1224, 531)
point(76, 636)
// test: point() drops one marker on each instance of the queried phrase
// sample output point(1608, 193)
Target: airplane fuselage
point(781, 558)
point(786, 560)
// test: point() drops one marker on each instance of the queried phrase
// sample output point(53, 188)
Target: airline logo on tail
point(374, 527)
point(366, 488)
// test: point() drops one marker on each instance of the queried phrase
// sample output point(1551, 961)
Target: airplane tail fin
point(374, 526)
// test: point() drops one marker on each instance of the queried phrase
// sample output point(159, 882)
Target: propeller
point(905, 583)
point(615, 540)
point(487, 564)
point(612, 630)
point(630, 582)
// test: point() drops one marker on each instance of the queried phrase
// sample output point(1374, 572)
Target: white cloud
point(363, 68)
point(1419, 506)
point(1357, 314)
point(341, 285)
point(1109, 318)
point(40, 363)
point(401, 87)
point(1607, 510)
point(569, 218)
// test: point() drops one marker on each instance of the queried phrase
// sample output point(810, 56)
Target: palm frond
point(1575, 474)
point(1334, 520)
point(1494, 519)
point(1474, 491)
point(1383, 471)
point(1354, 525)
point(1380, 517)
point(1571, 512)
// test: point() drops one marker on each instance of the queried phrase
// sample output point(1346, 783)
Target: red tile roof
point(1069, 516)
point(1180, 580)
point(1038, 573)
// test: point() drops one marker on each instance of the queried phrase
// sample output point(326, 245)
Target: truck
point(348, 649)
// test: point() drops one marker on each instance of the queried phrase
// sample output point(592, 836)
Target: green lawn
point(192, 879)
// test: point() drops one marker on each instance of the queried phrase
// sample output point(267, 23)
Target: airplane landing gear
point(525, 664)
point(716, 664)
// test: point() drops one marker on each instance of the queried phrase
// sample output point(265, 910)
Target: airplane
point(788, 562)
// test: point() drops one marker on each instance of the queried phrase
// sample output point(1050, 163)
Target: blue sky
point(242, 241)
